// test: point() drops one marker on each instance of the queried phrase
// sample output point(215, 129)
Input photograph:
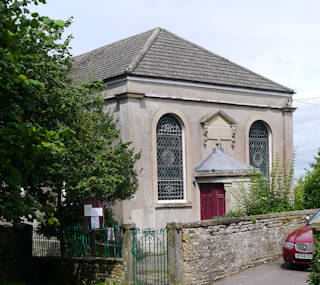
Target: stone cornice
point(129, 95)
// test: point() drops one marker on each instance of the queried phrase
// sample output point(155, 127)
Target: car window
point(315, 218)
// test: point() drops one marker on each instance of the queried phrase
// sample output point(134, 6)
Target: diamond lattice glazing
point(259, 147)
point(169, 159)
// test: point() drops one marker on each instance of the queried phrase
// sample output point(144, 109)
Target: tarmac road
point(276, 272)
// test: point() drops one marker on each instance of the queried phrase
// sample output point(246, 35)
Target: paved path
point(274, 273)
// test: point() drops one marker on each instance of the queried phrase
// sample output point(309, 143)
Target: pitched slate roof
point(218, 161)
point(159, 53)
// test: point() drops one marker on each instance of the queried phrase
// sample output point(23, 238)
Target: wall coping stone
point(228, 221)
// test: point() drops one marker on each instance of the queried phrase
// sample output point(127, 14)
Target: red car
point(297, 248)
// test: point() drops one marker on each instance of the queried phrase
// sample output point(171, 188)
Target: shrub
point(268, 195)
point(299, 195)
point(312, 189)
point(314, 275)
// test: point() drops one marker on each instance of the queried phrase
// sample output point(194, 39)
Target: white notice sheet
point(96, 212)
point(95, 224)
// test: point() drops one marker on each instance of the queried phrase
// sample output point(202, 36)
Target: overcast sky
point(280, 39)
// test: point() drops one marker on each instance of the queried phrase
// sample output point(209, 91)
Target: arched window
point(170, 160)
point(259, 147)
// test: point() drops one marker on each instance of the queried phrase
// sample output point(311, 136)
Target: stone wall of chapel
point(138, 118)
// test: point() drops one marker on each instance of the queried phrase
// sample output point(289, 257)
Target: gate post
point(175, 253)
point(127, 253)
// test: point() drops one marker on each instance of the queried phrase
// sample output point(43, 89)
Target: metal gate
point(150, 257)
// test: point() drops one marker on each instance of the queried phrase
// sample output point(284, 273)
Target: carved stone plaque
point(219, 127)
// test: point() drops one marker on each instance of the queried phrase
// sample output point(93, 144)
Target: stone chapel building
point(198, 119)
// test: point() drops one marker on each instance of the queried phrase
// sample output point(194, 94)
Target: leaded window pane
point(259, 147)
point(169, 159)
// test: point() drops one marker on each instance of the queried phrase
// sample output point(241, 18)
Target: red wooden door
point(212, 200)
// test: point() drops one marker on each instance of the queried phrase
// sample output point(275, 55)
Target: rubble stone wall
point(216, 248)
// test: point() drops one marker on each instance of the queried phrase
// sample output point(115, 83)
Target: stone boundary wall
point(212, 249)
point(62, 271)
point(199, 252)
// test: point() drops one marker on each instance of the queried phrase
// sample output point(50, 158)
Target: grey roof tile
point(161, 54)
point(110, 60)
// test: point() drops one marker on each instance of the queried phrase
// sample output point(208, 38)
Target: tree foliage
point(95, 163)
point(299, 195)
point(311, 185)
point(314, 275)
point(57, 143)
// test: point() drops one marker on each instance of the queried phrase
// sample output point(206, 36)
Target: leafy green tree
point(95, 164)
point(57, 144)
point(316, 163)
point(26, 143)
point(311, 185)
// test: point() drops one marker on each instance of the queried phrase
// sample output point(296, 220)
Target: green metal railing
point(81, 241)
point(150, 256)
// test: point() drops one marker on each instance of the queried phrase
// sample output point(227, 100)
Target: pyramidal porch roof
point(219, 162)
point(161, 54)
